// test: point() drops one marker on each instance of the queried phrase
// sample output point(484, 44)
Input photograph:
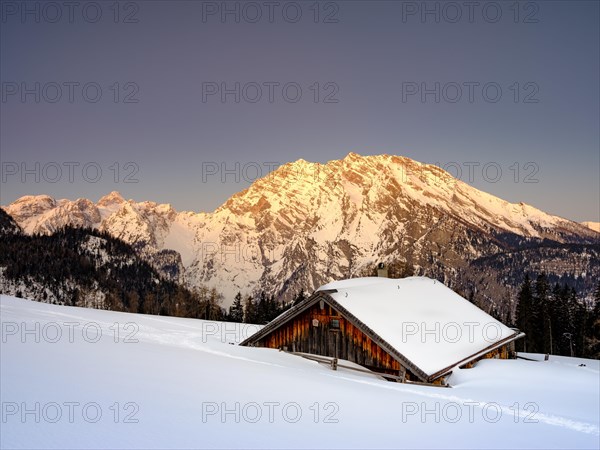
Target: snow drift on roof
point(427, 322)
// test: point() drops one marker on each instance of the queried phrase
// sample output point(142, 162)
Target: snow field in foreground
point(82, 378)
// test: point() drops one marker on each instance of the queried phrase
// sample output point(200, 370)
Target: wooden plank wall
point(347, 342)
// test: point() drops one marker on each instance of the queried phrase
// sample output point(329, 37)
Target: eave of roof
point(474, 356)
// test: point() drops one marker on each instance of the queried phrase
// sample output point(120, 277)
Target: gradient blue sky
point(369, 53)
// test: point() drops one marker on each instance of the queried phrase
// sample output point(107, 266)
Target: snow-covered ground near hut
point(69, 379)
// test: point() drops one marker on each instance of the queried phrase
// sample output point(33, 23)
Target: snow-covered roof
point(428, 323)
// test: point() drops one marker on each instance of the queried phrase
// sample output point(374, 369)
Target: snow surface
point(424, 320)
point(180, 368)
point(592, 225)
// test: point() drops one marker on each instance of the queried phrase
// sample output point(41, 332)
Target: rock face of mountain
point(139, 224)
point(8, 226)
point(307, 224)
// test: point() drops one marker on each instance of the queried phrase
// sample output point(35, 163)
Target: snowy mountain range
point(306, 224)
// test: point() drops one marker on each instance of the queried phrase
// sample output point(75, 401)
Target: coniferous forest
point(90, 268)
point(556, 321)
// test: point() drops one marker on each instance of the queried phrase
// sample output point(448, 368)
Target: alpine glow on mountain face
point(306, 224)
point(592, 225)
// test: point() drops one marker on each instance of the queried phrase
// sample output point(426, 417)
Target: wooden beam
point(330, 361)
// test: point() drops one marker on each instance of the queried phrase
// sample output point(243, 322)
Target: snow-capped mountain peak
point(114, 198)
point(306, 224)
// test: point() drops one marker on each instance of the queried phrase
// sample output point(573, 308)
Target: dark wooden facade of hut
point(321, 326)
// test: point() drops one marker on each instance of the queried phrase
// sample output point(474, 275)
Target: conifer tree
point(250, 311)
point(524, 314)
point(262, 309)
point(300, 297)
point(592, 344)
point(542, 326)
point(236, 310)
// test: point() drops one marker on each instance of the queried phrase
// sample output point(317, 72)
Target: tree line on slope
point(84, 267)
point(90, 268)
point(260, 310)
point(555, 321)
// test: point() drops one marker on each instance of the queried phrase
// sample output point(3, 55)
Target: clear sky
point(135, 91)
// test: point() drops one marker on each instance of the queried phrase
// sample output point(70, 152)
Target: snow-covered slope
point(306, 224)
point(82, 378)
point(592, 226)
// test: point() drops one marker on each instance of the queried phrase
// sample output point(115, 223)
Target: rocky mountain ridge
point(306, 224)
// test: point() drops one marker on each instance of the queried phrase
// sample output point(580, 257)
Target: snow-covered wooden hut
point(415, 328)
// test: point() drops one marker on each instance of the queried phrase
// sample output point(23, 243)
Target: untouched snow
point(172, 382)
point(178, 239)
point(435, 327)
point(592, 225)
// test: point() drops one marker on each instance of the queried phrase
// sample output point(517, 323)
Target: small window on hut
point(335, 324)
